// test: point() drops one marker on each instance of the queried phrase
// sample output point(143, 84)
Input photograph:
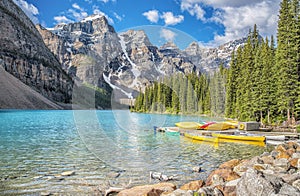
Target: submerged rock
point(197, 169)
point(68, 173)
point(45, 193)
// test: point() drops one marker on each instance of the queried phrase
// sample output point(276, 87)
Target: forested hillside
point(261, 84)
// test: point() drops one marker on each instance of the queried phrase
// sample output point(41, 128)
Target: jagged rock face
point(93, 52)
point(84, 48)
point(209, 59)
point(24, 55)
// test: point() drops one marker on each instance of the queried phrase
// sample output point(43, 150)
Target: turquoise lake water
point(102, 147)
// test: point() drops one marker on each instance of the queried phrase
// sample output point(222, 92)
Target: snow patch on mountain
point(134, 68)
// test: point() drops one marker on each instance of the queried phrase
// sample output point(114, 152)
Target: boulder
point(245, 164)
point(290, 151)
point(296, 184)
point(267, 159)
point(227, 190)
point(284, 155)
point(281, 165)
point(296, 155)
point(290, 178)
point(210, 191)
point(155, 192)
point(298, 149)
point(287, 189)
point(226, 174)
point(255, 183)
point(292, 145)
point(193, 185)
point(232, 182)
point(217, 180)
point(148, 189)
point(179, 192)
point(294, 162)
point(281, 148)
point(260, 167)
point(274, 154)
point(264, 154)
point(268, 171)
point(230, 164)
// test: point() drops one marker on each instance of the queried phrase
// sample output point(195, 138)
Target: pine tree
point(231, 88)
point(190, 100)
point(247, 82)
point(257, 86)
point(286, 61)
point(175, 95)
point(295, 29)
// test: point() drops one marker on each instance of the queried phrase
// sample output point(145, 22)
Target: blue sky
point(209, 22)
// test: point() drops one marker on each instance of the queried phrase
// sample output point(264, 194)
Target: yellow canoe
point(188, 125)
point(201, 138)
point(220, 126)
point(239, 137)
point(255, 143)
point(233, 123)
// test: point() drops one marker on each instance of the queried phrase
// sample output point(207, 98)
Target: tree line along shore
point(262, 82)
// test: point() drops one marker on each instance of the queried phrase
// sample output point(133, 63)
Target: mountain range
point(92, 53)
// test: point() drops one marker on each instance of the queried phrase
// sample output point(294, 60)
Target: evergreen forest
point(262, 82)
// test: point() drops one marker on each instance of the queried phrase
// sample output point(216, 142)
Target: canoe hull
point(246, 142)
point(240, 137)
point(188, 125)
point(201, 138)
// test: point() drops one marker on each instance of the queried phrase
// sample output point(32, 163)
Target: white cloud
point(62, 19)
point(118, 17)
point(96, 10)
point(170, 19)
point(238, 20)
point(193, 9)
point(78, 14)
point(30, 10)
point(106, 1)
point(76, 6)
point(238, 16)
point(152, 15)
point(167, 34)
point(89, 1)
point(219, 3)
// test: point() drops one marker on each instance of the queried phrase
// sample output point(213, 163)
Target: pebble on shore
point(274, 173)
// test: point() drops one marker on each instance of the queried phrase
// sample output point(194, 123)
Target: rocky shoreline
point(274, 173)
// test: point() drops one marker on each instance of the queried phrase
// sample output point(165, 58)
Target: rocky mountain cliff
point(24, 55)
point(209, 59)
point(93, 52)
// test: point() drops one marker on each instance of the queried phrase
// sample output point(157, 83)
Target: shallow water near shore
point(101, 147)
